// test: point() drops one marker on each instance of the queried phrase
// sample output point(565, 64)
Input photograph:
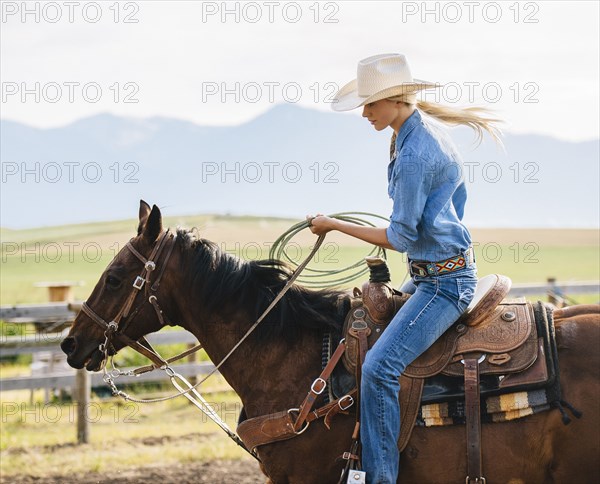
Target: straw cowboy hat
point(379, 77)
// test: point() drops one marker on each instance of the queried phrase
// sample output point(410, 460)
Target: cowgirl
point(429, 198)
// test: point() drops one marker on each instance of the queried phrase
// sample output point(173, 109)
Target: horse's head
point(121, 305)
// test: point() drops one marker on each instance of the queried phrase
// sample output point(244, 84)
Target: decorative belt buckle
point(417, 270)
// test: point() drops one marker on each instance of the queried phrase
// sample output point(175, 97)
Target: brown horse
point(217, 297)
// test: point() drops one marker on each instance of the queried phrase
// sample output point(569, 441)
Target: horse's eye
point(113, 281)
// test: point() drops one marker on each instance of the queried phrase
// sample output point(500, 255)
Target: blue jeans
point(436, 303)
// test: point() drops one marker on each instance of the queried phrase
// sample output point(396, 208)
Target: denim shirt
point(426, 185)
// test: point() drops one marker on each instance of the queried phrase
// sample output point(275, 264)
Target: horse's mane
point(226, 284)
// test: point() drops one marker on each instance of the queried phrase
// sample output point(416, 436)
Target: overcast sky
point(218, 63)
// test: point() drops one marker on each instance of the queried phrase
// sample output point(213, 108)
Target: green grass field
point(38, 439)
point(79, 253)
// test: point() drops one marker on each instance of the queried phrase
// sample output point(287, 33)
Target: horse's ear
point(153, 226)
point(143, 215)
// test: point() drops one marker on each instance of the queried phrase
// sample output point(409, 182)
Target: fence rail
point(25, 313)
point(66, 379)
point(584, 287)
point(36, 342)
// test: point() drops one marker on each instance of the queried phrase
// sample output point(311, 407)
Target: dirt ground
point(214, 472)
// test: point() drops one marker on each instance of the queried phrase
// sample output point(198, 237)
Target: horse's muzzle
point(78, 357)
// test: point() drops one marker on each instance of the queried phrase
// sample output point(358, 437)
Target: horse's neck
point(264, 374)
point(267, 377)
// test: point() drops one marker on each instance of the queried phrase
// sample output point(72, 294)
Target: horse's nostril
point(68, 345)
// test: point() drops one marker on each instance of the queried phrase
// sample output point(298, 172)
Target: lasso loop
point(324, 278)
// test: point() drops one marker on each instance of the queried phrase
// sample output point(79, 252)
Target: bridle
point(112, 330)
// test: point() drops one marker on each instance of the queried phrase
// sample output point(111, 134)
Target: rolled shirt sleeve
point(409, 186)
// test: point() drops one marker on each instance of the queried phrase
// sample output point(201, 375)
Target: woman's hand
point(320, 224)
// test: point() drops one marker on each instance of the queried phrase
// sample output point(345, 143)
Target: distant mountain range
point(290, 161)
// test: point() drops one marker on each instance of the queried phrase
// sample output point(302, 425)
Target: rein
point(142, 346)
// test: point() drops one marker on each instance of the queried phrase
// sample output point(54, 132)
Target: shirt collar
point(407, 127)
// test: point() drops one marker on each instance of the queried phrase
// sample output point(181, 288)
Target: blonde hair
point(471, 117)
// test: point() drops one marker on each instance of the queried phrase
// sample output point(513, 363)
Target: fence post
point(193, 358)
point(57, 292)
point(82, 397)
point(552, 299)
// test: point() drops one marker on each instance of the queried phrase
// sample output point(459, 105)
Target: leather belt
point(424, 268)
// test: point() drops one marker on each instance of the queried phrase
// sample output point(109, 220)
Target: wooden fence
point(58, 376)
point(80, 382)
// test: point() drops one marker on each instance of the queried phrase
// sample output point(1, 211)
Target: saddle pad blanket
point(494, 409)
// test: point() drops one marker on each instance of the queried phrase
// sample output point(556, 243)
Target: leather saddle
point(499, 335)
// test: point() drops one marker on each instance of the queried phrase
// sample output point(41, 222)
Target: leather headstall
point(115, 329)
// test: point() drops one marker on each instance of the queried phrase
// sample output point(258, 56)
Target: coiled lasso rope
point(323, 278)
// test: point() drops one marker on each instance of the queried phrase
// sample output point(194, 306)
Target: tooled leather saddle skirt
point(512, 347)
